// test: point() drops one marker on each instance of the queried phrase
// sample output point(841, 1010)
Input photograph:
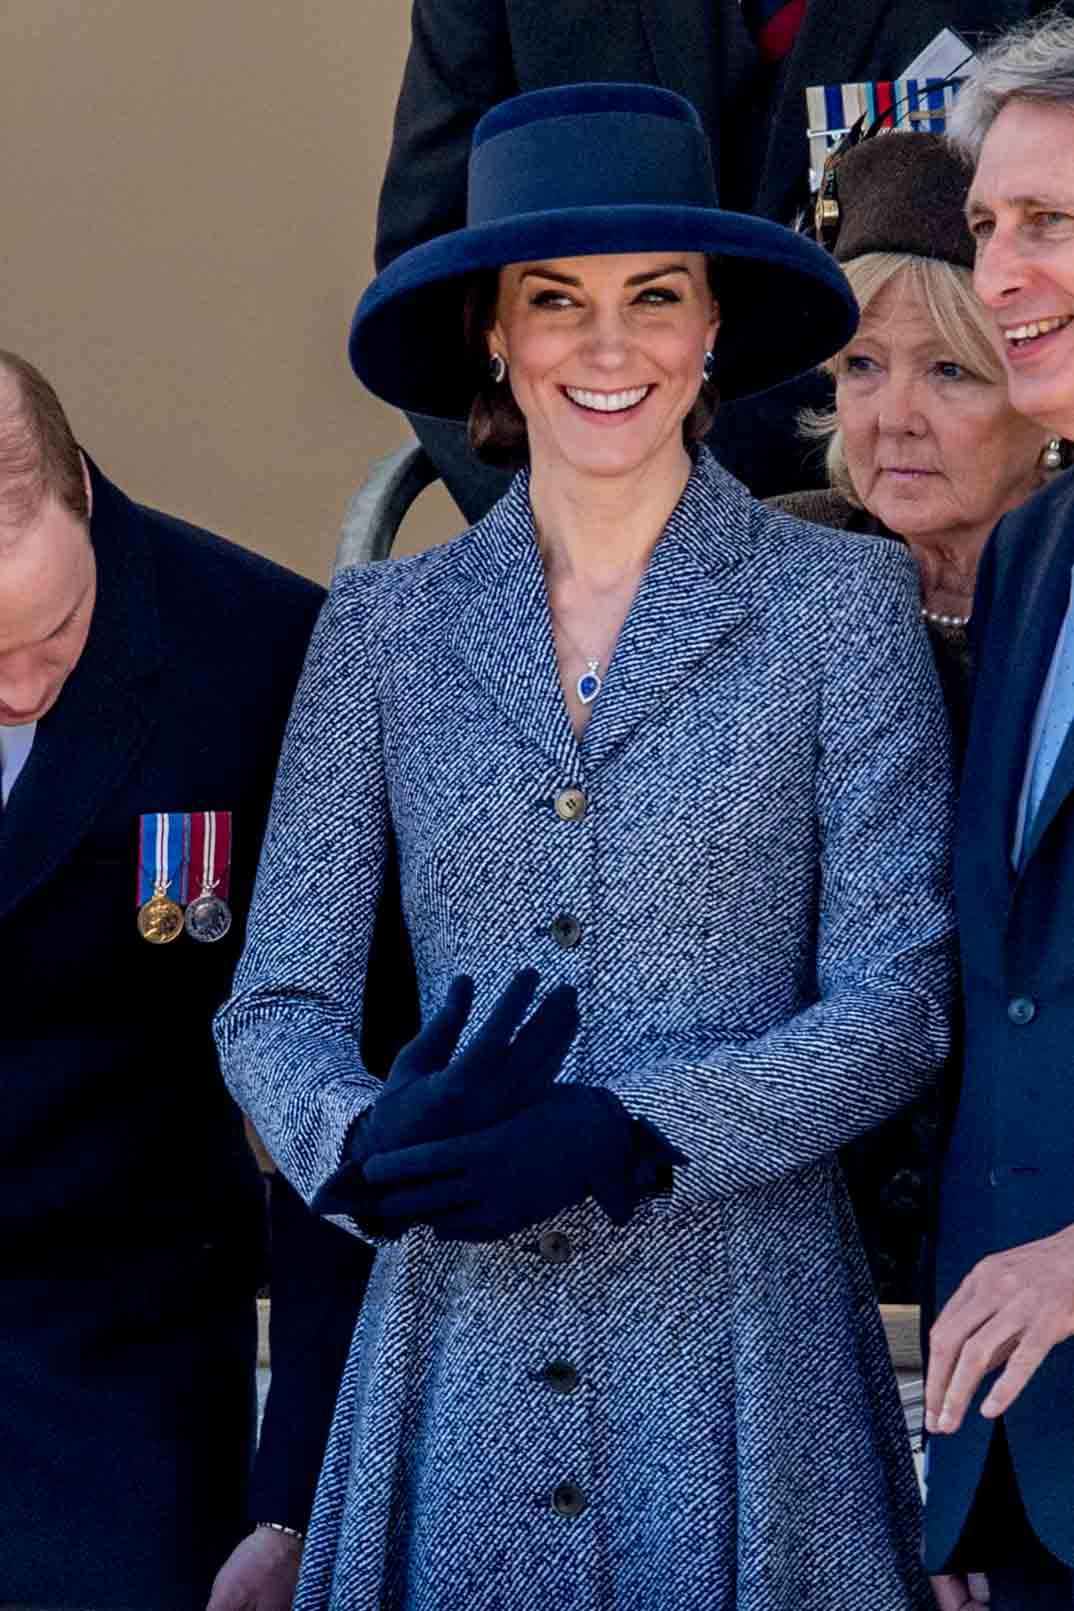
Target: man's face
point(1021, 214)
point(47, 591)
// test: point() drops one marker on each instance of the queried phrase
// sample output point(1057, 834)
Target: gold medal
point(160, 919)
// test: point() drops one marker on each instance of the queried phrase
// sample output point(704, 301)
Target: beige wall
point(188, 196)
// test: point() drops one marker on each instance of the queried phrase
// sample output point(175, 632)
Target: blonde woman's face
point(934, 450)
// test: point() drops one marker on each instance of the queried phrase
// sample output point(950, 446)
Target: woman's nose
point(607, 340)
point(899, 408)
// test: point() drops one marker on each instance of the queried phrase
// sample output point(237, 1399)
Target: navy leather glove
point(574, 1142)
point(432, 1093)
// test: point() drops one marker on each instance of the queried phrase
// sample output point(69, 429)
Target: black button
point(1021, 1009)
point(568, 1499)
point(555, 1248)
point(560, 1376)
point(566, 931)
point(570, 805)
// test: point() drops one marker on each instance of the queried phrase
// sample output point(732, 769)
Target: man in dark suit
point(146, 669)
point(1000, 1387)
point(749, 89)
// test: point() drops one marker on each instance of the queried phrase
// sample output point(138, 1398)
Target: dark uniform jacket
point(132, 1218)
point(466, 55)
point(1008, 1174)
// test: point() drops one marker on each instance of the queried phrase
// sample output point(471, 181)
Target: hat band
point(596, 160)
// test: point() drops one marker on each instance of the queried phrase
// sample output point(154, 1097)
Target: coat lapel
point(689, 603)
point(86, 745)
point(503, 631)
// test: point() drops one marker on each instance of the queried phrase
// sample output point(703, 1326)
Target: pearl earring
point(498, 368)
point(1052, 457)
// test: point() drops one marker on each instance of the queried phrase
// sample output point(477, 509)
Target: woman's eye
point(1045, 220)
point(658, 294)
point(947, 369)
point(982, 228)
point(550, 299)
point(856, 363)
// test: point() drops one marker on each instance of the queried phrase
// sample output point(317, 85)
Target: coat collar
point(86, 745)
point(689, 601)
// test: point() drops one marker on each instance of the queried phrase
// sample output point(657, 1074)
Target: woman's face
point(934, 450)
point(604, 356)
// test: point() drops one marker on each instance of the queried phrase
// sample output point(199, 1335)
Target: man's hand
point(1012, 1307)
point(260, 1574)
point(961, 1593)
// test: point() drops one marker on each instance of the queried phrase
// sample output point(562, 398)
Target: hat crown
point(585, 146)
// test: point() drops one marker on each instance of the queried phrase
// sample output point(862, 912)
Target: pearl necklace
point(934, 618)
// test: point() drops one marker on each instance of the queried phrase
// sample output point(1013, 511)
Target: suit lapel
point(833, 42)
point(686, 51)
point(86, 745)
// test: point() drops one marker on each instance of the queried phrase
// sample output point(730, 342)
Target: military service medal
point(160, 919)
point(208, 917)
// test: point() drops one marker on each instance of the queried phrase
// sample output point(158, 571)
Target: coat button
point(568, 1499)
point(555, 1248)
point(560, 1376)
point(1021, 1009)
point(566, 931)
point(570, 805)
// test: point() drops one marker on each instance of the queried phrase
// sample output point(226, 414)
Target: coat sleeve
point(290, 1036)
point(877, 1031)
point(459, 64)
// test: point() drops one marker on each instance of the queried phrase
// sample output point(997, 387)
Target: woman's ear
point(714, 326)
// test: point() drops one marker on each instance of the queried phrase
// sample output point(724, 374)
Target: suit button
point(1021, 1009)
point(566, 931)
point(560, 1376)
point(555, 1248)
point(568, 1499)
point(570, 805)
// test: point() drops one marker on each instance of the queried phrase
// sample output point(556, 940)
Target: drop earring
point(1052, 457)
point(498, 368)
point(708, 367)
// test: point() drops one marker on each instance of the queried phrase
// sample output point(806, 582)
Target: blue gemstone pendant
point(590, 682)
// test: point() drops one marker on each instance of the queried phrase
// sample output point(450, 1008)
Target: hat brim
point(785, 306)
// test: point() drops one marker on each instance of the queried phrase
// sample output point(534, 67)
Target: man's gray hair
point(1034, 62)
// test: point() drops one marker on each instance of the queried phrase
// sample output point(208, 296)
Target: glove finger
point(539, 1049)
point(425, 1198)
point(434, 1045)
point(482, 1062)
point(424, 1162)
point(341, 1192)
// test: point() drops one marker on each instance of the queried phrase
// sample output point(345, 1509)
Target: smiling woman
point(686, 759)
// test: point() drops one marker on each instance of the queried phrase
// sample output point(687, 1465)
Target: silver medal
point(208, 918)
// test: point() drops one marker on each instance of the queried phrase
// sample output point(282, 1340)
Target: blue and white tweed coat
point(764, 971)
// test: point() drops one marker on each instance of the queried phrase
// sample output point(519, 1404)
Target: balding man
point(146, 670)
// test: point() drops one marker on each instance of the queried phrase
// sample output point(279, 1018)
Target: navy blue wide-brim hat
point(582, 170)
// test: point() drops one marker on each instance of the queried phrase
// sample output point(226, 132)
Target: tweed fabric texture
point(764, 969)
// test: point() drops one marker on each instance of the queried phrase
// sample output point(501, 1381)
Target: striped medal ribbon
point(160, 868)
point(208, 916)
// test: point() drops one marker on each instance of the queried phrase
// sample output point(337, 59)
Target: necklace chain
point(936, 618)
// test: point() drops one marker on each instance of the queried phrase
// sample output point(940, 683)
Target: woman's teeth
point(1040, 327)
point(607, 402)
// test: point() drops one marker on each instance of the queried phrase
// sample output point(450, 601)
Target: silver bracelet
point(278, 1527)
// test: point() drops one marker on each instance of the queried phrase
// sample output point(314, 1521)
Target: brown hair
point(38, 451)
point(497, 426)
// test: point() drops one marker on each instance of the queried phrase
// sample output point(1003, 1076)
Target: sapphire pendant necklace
point(590, 683)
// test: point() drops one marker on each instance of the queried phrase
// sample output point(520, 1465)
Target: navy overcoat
point(761, 944)
point(1007, 1176)
point(132, 1216)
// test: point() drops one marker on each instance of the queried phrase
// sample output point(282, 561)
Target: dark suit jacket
point(132, 1218)
point(1008, 1173)
point(466, 55)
